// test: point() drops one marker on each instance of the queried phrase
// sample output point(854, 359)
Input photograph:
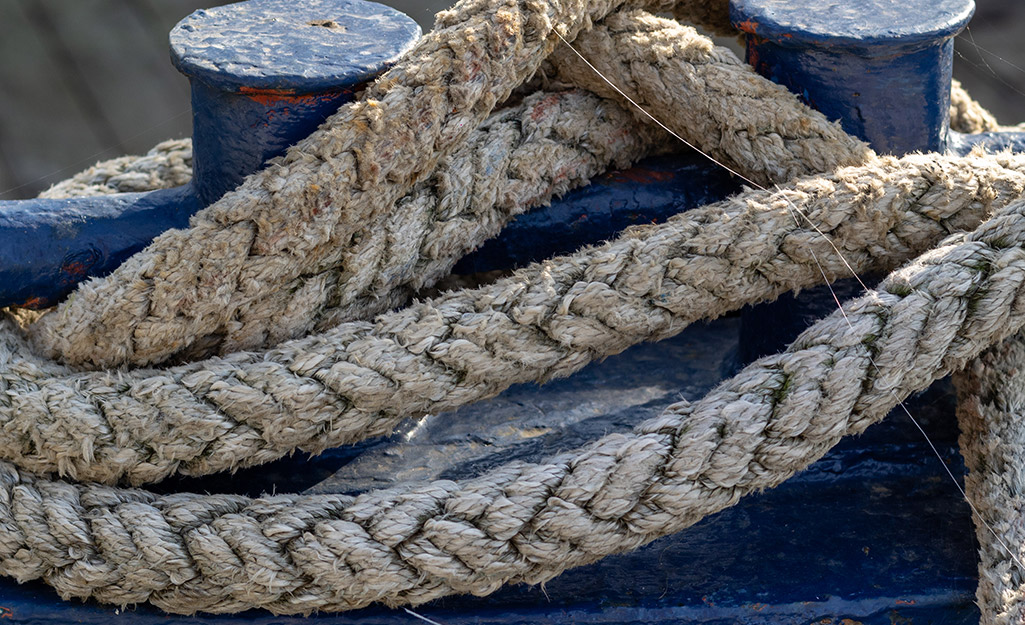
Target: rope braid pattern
point(167, 165)
point(295, 217)
point(547, 320)
point(703, 92)
point(528, 522)
point(990, 404)
point(518, 158)
point(373, 269)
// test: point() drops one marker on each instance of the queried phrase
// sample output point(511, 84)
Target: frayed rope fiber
point(407, 151)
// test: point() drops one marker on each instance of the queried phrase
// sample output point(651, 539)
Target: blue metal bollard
point(883, 69)
point(264, 74)
point(873, 533)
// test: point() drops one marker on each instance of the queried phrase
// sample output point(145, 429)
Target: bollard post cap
point(865, 27)
point(291, 46)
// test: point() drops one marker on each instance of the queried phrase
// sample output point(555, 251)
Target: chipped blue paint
point(264, 74)
point(653, 190)
point(873, 533)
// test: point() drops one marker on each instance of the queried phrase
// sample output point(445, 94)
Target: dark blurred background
point(86, 80)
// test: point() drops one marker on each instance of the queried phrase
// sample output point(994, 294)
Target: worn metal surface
point(882, 68)
point(650, 192)
point(290, 46)
point(266, 73)
point(48, 246)
point(261, 82)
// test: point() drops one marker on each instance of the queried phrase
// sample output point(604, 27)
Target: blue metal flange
point(264, 74)
point(873, 533)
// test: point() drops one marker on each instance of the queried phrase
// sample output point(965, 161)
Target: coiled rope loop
point(306, 237)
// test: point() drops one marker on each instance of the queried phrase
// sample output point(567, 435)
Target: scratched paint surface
point(871, 534)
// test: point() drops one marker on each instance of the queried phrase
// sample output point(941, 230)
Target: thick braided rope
point(991, 405)
point(528, 522)
point(991, 401)
point(249, 273)
point(260, 571)
point(297, 216)
point(167, 165)
point(705, 93)
point(546, 320)
point(520, 157)
point(967, 115)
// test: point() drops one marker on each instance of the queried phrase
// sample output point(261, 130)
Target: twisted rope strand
point(528, 522)
point(703, 92)
point(267, 273)
point(523, 522)
point(547, 320)
point(299, 215)
point(991, 399)
point(990, 402)
point(520, 157)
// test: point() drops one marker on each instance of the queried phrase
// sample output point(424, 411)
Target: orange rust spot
point(32, 303)
point(275, 97)
point(748, 26)
point(74, 269)
point(906, 602)
point(641, 176)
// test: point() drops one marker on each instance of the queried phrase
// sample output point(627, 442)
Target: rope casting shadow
point(380, 202)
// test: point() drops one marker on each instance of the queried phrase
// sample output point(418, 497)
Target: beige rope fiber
point(704, 93)
point(522, 522)
point(991, 402)
point(547, 320)
point(991, 405)
point(261, 294)
point(527, 522)
point(293, 218)
point(519, 158)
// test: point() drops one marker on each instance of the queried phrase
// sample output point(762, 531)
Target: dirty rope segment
point(85, 395)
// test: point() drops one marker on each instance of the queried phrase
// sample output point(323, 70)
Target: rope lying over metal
point(548, 320)
point(528, 522)
point(253, 289)
point(991, 400)
point(523, 522)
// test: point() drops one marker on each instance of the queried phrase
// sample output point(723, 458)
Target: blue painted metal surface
point(880, 67)
point(649, 192)
point(48, 246)
point(990, 141)
point(883, 69)
point(264, 74)
point(874, 533)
